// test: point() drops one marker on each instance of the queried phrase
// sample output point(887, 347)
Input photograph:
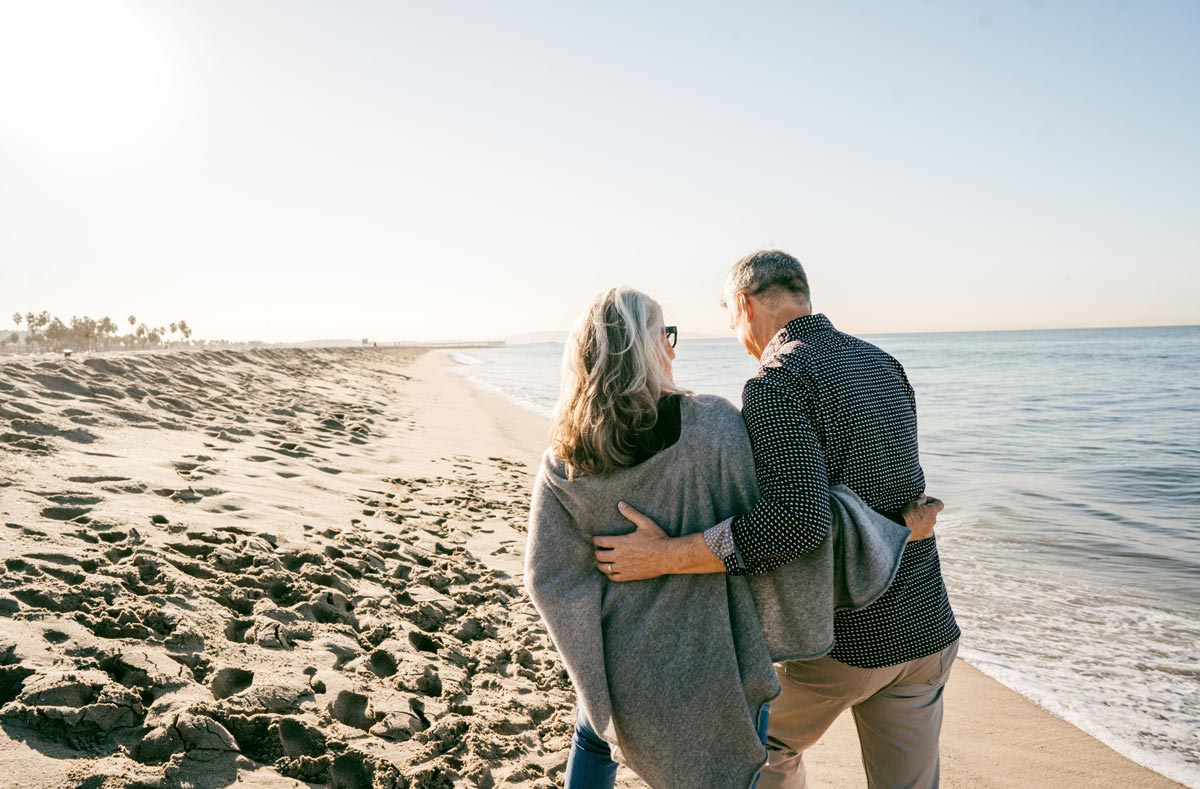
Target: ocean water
point(1070, 466)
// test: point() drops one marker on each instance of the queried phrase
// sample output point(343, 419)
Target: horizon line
point(931, 331)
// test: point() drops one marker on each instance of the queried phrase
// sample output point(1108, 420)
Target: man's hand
point(636, 556)
point(648, 552)
point(921, 516)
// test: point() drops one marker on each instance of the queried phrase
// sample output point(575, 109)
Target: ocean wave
point(1121, 670)
point(481, 374)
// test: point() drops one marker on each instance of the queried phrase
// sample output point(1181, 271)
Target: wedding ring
point(610, 566)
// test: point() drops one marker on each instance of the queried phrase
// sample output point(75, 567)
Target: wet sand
point(302, 567)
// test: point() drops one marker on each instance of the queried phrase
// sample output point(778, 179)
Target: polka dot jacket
point(828, 408)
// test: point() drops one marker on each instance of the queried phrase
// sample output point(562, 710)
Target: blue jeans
point(590, 764)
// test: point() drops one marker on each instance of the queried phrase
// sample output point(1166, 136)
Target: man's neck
point(785, 316)
point(781, 318)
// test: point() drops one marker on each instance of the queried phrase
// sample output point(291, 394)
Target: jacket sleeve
point(792, 516)
point(567, 590)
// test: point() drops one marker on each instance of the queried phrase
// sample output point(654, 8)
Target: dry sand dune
point(215, 571)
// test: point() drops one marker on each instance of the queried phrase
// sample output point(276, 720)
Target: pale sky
point(451, 170)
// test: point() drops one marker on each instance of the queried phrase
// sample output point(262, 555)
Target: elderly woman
point(673, 675)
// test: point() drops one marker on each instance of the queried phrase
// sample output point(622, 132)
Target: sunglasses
point(672, 334)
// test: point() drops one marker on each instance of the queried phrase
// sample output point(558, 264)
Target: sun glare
point(70, 69)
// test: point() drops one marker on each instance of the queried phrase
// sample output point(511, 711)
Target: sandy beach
point(302, 567)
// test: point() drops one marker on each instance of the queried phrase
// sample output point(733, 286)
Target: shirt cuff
point(719, 540)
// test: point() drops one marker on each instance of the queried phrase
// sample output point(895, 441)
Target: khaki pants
point(897, 709)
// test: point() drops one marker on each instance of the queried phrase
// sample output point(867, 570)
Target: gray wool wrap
point(673, 671)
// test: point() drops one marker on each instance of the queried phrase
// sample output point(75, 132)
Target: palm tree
point(17, 319)
point(107, 328)
point(83, 332)
point(186, 331)
point(57, 333)
point(43, 320)
point(34, 323)
point(174, 327)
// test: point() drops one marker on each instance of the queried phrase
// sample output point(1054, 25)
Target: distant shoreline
point(248, 347)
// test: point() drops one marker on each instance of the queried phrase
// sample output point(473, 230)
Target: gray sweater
point(673, 671)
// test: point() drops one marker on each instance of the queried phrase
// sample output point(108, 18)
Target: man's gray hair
point(768, 273)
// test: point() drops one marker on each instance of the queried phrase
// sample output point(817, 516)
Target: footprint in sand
point(236, 629)
point(35, 427)
point(70, 506)
point(352, 709)
point(65, 513)
point(74, 707)
point(229, 681)
point(30, 444)
point(188, 470)
point(382, 663)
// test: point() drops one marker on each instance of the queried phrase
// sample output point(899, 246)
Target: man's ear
point(745, 306)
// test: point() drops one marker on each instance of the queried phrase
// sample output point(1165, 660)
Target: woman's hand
point(921, 516)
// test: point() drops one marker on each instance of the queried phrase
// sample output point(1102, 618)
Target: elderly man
point(824, 408)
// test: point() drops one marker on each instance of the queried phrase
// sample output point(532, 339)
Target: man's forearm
point(689, 555)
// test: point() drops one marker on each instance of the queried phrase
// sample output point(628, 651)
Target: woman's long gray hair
point(615, 369)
